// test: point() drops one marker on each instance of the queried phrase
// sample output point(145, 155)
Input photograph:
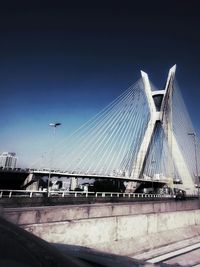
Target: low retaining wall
point(44, 214)
point(116, 228)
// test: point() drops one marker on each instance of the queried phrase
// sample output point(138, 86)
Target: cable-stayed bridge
point(145, 134)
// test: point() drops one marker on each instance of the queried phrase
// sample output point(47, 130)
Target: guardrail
point(32, 193)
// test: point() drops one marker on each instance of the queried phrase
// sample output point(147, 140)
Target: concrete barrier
point(86, 232)
point(117, 228)
point(43, 214)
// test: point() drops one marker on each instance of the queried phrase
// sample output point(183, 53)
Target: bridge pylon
point(161, 115)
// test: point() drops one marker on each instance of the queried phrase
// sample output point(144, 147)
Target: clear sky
point(65, 62)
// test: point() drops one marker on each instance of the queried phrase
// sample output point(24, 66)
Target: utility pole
point(54, 125)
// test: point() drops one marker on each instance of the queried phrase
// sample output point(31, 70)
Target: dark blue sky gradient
point(65, 62)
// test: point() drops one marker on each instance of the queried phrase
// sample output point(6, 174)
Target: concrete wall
point(110, 227)
point(43, 214)
point(98, 231)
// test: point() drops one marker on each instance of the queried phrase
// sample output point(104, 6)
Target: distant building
point(8, 160)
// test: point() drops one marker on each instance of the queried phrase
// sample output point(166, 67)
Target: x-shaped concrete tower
point(158, 114)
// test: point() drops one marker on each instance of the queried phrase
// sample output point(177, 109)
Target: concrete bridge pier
point(31, 182)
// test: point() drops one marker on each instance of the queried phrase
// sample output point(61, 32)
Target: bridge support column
point(31, 182)
point(162, 113)
point(154, 116)
point(74, 183)
point(131, 187)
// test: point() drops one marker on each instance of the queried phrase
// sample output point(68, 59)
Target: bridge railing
point(33, 193)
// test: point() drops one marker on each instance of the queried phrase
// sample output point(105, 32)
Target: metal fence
point(31, 193)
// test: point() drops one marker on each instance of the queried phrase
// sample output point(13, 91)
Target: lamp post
point(196, 163)
point(153, 174)
point(54, 125)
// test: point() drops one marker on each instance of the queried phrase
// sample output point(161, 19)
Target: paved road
point(183, 253)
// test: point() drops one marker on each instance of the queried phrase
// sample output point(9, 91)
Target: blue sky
point(61, 62)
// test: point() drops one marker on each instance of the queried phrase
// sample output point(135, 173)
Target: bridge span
point(146, 133)
point(33, 179)
point(144, 137)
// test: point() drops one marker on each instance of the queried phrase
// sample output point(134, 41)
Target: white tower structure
point(162, 112)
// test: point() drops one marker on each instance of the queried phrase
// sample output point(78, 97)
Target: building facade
point(8, 160)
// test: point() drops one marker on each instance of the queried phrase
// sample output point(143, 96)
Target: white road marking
point(174, 253)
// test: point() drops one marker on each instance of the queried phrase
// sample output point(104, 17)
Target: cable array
point(160, 161)
point(108, 144)
point(185, 133)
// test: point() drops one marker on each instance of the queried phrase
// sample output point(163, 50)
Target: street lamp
point(196, 163)
point(54, 125)
point(153, 173)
